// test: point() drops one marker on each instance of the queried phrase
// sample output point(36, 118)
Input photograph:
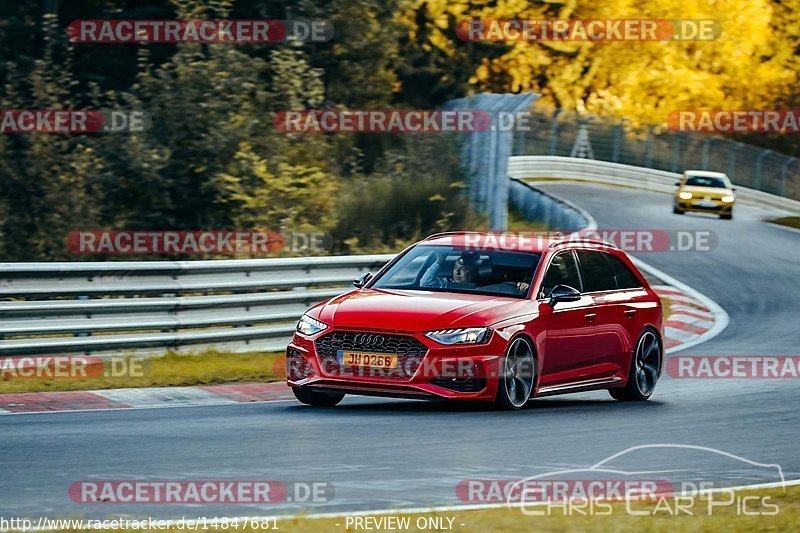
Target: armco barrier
point(147, 307)
point(520, 167)
point(555, 213)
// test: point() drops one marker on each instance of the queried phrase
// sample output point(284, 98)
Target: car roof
point(706, 173)
point(514, 241)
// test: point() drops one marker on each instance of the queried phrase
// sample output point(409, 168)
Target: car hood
point(713, 192)
point(417, 310)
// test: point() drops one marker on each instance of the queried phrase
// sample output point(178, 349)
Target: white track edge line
point(721, 319)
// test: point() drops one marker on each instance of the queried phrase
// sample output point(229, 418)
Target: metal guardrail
point(521, 167)
point(540, 206)
point(148, 307)
point(564, 133)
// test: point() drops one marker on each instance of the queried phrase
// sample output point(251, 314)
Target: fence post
point(759, 164)
point(784, 168)
point(648, 148)
point(676, 152)
point(582, 147)
point(518, 142)
point(554, 132)
point(490, 178)
point(732, 159)
point(617, 141)
point(706, 148)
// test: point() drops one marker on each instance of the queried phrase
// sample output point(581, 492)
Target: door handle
point(590, 316)
point(629, 312)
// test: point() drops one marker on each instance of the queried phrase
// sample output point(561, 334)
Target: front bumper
point(700, 205)
point(466, 372)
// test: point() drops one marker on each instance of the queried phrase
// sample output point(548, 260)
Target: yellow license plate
point(371, 360)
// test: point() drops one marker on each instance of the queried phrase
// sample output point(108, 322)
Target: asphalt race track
point(391, 453)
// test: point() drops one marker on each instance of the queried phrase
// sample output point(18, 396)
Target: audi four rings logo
point(367, 339)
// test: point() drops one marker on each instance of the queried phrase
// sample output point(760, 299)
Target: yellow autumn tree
point(750, 64)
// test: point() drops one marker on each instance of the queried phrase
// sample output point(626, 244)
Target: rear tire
point(317, 399)
point(644, 370)
point(518, 376)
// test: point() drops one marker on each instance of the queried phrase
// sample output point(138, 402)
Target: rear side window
point(597, 274)
point(625, 278)
point(563, 270)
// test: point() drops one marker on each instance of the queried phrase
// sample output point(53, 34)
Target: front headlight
point(309, 326)
point(728, 199)
point(460, 336)
point(685, 195)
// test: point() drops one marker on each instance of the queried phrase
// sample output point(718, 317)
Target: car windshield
point(453, 269)
point(706, 181)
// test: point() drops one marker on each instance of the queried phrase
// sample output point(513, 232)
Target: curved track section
point(390, 453)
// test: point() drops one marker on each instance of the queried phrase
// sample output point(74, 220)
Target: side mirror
point(362, 280)
point(733, 189)
point(677, 183)
point(563, 293)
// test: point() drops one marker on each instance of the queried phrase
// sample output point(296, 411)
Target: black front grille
point(296, 365)
point(460, 385)
point(409, 353)
point(707, 208)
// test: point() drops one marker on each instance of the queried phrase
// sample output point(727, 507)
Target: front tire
point(518, 376)
point(317, 399)
point(676, 210)
point(726, 217)
point(644, 370)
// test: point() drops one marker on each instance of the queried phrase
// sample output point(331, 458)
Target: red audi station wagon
point(470, 316)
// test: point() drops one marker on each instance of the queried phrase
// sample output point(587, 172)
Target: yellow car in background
point(700, 191)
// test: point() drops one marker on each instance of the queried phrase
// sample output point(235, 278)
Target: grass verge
point(533, 181)
point(172, 369)
point(789, 222)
